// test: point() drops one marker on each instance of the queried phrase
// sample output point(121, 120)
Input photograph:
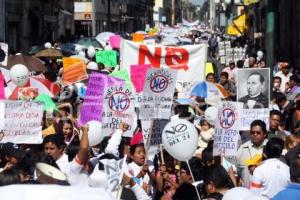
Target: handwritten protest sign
point(227, 129)
point(188, 60)
point(118, 107)
point(113, 171)
point(249, 115)
point(22, 122)
point(3, 53)
point(138, 37)
point(74, 73)
point(92, 106)
point(123, 74)
point(157, 98)
point(107, 57)
point(138, 74)
point(2, 91)
point(157, 129)
point(68, 61)
point(115, 41)
point(49, 104)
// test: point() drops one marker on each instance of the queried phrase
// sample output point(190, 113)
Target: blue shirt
point(291, 192)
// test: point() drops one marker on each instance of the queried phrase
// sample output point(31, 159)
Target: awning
point(238, 26)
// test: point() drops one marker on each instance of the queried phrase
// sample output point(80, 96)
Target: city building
point(32, 22)
point(167, 12)
point(96, 16)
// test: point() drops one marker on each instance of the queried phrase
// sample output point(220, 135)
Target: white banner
point(190, 24)
point(157, 97)
point(227, 129)
point(118, 107)
point(189, 60)
point(23, 122)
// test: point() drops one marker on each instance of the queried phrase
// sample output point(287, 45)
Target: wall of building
point(33, 22)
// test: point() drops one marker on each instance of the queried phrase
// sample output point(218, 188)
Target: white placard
point(227, 129)
point(158, 93)
point(118, 107)
point(23, 122)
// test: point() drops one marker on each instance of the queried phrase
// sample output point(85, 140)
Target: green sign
point(49, 105)
point(107, 57)
point(123, 74)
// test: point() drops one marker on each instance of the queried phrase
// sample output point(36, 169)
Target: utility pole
point(94, 18)
point(270, 34)
point(2, 20)
point(108, 16)
point(173, 12)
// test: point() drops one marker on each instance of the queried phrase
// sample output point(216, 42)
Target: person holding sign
point(255, 87)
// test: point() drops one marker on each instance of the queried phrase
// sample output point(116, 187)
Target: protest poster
point(74, 73)
point(118, 107)
point(27, 93)
point(188, 60)
point(157, 97)
point(107, 57)
point(138, 74)
point(238, 54)
point(227, 129)
point(123, 74)
point(138, 37)
point(22, 122)
point(253, 88)
point(92, 106)
point(2, 90)
point(48, 103)
point(114, 172)
point(115, 41)
point(247, 116)
point(68, 61)
point(3, 53)
point(157, 129)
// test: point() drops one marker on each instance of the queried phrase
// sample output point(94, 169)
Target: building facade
point(33, 22)
point(96, 16)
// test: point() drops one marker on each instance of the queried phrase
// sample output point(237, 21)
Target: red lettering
point(153, 59)
point(180, 55)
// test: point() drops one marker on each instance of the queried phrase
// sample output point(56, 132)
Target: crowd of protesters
point(267, 163)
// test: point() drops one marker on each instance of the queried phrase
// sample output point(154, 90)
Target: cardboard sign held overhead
point(107, 57)
point(68, 61)
point(74, 73)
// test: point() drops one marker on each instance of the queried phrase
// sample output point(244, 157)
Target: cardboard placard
point(74, 73)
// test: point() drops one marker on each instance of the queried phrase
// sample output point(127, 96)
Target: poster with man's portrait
point(253, 88)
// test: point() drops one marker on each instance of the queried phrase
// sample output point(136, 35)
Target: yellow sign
point(209, 68)
point(238, 26)
point(248, 2)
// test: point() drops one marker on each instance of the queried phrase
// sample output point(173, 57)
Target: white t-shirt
point(76, 174)
point(62, 162)
point(270, 177)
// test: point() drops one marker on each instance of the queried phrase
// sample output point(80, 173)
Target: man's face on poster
point(254, 86)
